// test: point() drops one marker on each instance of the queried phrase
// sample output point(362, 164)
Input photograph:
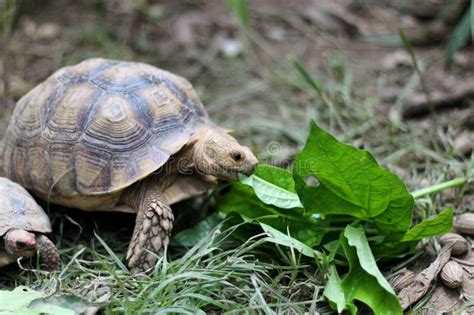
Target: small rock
point(464, 142)
point(452, 275)
point(395, 116)
point(396, 59)
point(464, 223)
point(230, 47)
point(424, 182)
point(358, 143)
point(276, 33)
point(29, 26)
point(402, 280)
point(461, 59)
point(461, 245)
point(47, 31)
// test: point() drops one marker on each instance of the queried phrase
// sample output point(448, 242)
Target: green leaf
point(23, 300)
point(63, 304)
point(440, 224)
point(278, 190)
point(191, 236)
point(460, 35)
point(391, 250)
point(287, 240)
point(398, 245)
point(276, 176)
point(356, 238)
point(239, 8)
point(364, 281)
point(18, 299)
point(55, 310)
point(242, 199)
point(350, 182)
point(333, 290)
point(43, 309)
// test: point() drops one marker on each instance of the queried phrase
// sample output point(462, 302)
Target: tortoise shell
point(18, 210)
point(99, 126)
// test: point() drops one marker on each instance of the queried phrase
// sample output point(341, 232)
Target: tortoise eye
point(236, 156)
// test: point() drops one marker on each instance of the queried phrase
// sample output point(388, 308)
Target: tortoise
point(109, 135)
point(22, 224)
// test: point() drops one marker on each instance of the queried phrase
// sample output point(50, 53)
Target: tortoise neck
point(184, 162)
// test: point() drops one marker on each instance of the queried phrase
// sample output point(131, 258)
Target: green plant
point(8, 8)
point(239, 8)
point(340, 209)
point(461, 34)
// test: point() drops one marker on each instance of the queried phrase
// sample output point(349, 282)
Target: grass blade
point(6, 18)
point(308, 78)
point(460, 35)
point(471, 10)
point(111, 253)
point(409, 49)
point(239, 8)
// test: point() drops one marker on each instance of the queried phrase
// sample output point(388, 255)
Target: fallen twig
point(423, 280)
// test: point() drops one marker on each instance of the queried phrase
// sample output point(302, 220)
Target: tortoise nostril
point(237, 156)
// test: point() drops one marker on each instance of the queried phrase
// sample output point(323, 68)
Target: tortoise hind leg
point(151, 233)
point(48, 253)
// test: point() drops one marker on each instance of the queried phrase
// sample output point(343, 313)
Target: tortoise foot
point(151, 235)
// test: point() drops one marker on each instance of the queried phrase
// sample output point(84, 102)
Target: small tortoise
point(110, 135)
point(22, 222)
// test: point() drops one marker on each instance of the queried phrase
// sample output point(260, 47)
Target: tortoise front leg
point(48, 253)
point(151, 233)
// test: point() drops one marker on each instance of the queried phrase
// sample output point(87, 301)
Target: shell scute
point(18, 210)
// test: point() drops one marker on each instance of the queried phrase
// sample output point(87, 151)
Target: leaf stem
point(438, 187)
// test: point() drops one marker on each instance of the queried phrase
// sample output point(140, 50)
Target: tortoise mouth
point(231, 176)
point(228, 174)
point(232, 173)
point(20, 247)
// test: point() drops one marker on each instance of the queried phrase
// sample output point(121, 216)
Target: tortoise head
point(20, 243)
point(217, 153)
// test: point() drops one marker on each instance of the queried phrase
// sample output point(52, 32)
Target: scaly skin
point(153, 226)
point(48, 253)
